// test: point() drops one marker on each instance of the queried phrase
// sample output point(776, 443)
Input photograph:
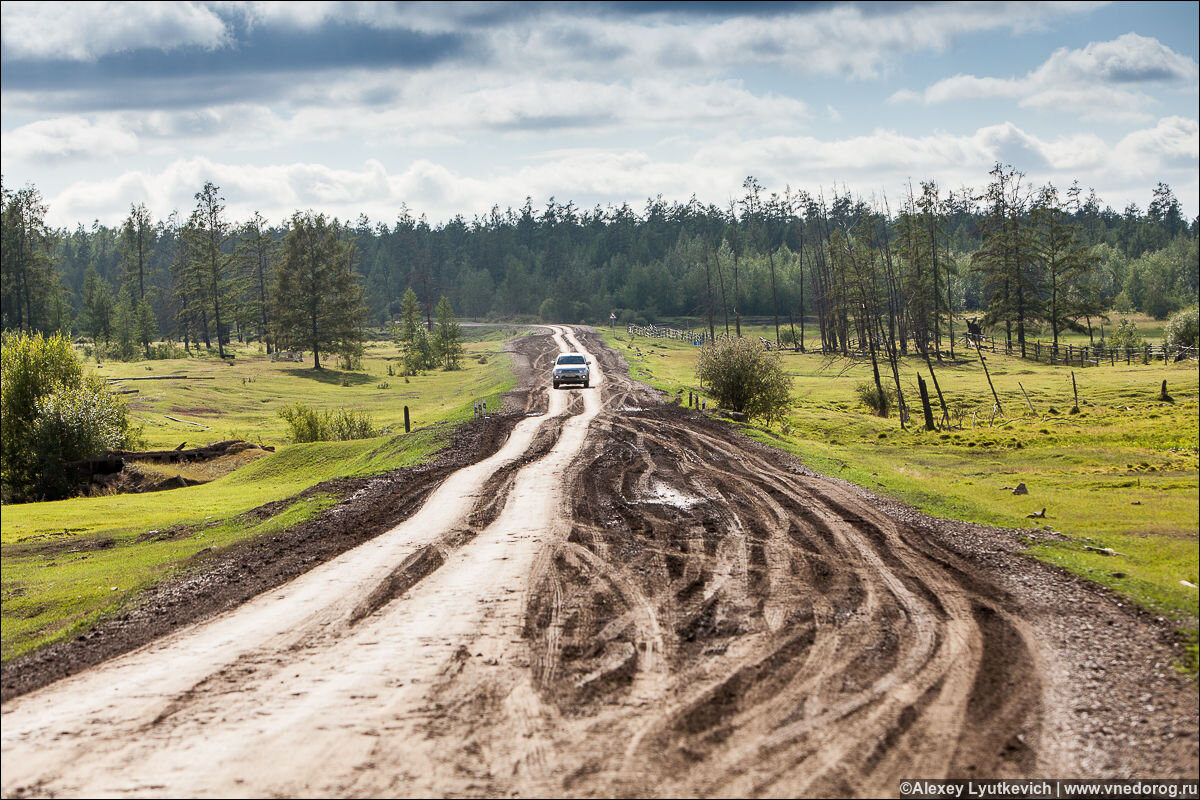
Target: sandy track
point(625, 599)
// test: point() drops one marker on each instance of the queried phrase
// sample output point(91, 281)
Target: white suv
point(571, 368)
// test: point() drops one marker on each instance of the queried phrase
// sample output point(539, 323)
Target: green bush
point(743, 376)
point(879, 402)
point(1126, 336)
point(1183, 329)
point(51, 412)
point(306, 424)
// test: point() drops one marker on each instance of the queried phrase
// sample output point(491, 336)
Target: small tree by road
point(742, 376)
point(447, 336)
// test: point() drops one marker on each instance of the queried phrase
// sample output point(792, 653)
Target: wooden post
point(1163, 396)
point(925, 403)
point(407, 426)
point(1074, 389)
point(983, 363)
point(1026, 398)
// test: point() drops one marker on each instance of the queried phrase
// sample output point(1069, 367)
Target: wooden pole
point(1074, 389)
point(407, 426)
point(988, 375)
point(929, 426)
point(1031, 411)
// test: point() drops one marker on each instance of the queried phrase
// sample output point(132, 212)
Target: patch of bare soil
point(225, 579)
point(125, 472)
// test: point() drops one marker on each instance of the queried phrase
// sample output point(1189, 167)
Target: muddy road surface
point(628, 598)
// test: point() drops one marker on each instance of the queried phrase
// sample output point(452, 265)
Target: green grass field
point(70, 562)
point(1121, 474)
point(240, 398)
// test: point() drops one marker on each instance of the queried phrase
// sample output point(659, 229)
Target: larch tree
point(1062, 259)
point(1006, 259)
point(136, 245)
point(208, 232)
point(29, 278)
point(318, 303)
point(256, 256)
point(447, 336)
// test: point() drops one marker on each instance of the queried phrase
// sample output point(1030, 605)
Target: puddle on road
point(668, 495)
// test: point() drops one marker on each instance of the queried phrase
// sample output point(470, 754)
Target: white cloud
point(1101, 81)
point(843, 40)
point(882, 161)
point(83, 31)
point(1171, 145)
point(68, 137)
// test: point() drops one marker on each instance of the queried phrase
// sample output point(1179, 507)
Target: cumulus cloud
point(68, 137)
point(84, 31)
point(880, 162)
point(1104, 80)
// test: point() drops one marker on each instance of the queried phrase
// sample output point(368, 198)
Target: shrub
point(52, 412)
point(1183, 329)
point(879, 402)
point(73, 423)
point(1126, 335)
point(306, 424)
point(743, 376)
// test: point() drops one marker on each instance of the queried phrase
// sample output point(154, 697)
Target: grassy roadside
point(68, 563)
point(1122, 474)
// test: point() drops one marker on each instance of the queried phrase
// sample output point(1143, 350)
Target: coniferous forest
point(827, 268)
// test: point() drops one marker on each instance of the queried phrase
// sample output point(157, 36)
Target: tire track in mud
point(790, 639)
point(711, 624)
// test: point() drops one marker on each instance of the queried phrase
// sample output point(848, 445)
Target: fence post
point(407, 427)
point(929, 426)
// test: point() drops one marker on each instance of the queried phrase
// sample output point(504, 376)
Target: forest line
point(1024, 260)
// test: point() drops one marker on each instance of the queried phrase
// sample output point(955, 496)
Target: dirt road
point(627, 599)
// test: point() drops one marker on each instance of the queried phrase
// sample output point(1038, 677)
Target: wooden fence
point(1084, 355)
point(656, 332)
point(1070, 355)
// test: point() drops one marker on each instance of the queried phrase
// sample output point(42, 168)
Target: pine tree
point(145, 325)
point(98, 303)
point(318, 302)
point(208, 232)
point(1063, 260)
point(137, 243)
point(1006, 259)
point(447, 336)
point(125, 331)
point(256, 255)
point(411, 334)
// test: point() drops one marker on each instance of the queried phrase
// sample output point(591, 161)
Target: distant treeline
point(1024, 259)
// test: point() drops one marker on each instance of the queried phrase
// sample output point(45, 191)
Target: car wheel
point(555, 384)
point(586, 383)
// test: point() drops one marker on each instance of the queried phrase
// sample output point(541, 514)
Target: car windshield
point(572, 359)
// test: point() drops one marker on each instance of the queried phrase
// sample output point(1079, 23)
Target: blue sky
point(352, 108)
